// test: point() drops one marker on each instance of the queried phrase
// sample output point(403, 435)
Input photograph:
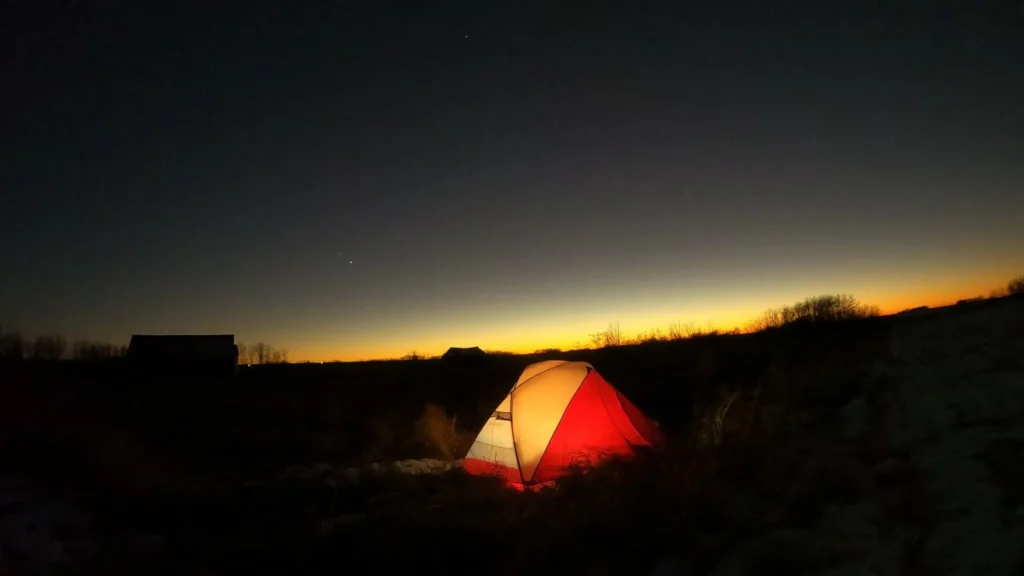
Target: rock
point(353, 474)
point(425, 466)
point(30, 524)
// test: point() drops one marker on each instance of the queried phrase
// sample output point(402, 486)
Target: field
point(886, 445)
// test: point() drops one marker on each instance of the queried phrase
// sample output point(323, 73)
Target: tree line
point(261, 353)
point(816, 309)
point(825, 308)
point(51, 347)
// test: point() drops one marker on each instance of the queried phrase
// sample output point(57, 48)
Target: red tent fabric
point(559, 415)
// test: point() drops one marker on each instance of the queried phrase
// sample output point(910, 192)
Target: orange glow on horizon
point(568, 337)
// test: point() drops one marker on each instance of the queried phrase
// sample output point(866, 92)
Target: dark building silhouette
point(463, 353)
point(209, 356)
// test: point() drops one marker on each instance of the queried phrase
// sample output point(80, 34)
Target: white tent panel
point(494, 444)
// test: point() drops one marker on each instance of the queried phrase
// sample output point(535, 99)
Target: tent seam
point(512, 429)
point(610, 419)
point(560, 418)
point(546, 370)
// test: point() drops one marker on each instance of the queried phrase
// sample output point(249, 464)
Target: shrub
point(816, 309)
point(437, 430)
point(1016, 286)
point(611, 336)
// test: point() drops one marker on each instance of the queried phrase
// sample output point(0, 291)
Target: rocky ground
point(937, 441)
point(40, 535)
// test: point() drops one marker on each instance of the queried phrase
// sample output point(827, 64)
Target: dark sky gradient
point(501, 174)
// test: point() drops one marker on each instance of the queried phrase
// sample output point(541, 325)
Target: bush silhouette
point(1016, 286)
point(814, 310)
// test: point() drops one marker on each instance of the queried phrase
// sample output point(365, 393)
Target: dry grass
point(438, 432)
point(756, 445)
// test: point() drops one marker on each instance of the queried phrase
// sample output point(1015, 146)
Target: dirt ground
point(883, 446)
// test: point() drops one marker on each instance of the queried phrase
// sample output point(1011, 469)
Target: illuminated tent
point(558, 415)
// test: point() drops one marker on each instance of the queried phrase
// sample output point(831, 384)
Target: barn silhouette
point(183, 355)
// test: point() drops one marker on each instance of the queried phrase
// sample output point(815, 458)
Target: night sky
point(358, 180)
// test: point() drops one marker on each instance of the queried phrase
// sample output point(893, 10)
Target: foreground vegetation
point(759, 444)
point(179, 462)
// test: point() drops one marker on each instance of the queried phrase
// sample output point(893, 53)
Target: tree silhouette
point(261, 353)
point(1016, 286)
point(12, 347)
point(816, 309)
point(49, 347)
point(86, 350)
point(611, 336)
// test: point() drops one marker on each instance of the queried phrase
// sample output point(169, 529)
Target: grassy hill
point(776, 438)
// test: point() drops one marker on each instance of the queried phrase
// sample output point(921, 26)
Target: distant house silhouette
point(184, 355)
point(463, 353)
